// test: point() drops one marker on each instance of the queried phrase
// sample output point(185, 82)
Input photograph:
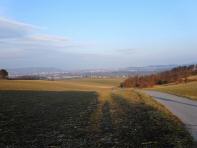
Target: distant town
point(59, 74)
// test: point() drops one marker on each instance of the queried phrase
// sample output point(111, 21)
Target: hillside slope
point(188, 90)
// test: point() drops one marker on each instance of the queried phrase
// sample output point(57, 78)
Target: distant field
point(193, 78)
point(102, 81)
point(188, 90)
point(73, 84)
point(49, 114)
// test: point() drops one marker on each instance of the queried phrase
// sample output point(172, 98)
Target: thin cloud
point(22, 39)
point(126, 51)
point(14, 29)
point(49, 38)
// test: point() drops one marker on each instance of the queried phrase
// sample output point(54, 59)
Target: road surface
point(183, 108)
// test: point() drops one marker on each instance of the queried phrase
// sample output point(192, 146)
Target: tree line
point(175, 75)
point(3, 74)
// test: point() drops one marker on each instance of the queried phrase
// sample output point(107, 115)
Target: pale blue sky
point(78, 34)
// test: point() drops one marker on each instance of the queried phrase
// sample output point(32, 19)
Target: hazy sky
point(78, 34)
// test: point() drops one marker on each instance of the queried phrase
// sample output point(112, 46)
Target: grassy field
point(188, 90)
point(84, 113)
point(72, 84)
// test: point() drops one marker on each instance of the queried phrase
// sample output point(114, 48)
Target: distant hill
point(152, 68)
point(126, 71)
point(33, 71)
point(175, 75)
point(149, 69)
point(50, 71)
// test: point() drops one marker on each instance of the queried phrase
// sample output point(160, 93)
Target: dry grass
point(99, 81)
point(188, 90)
point(193, 78)
point(102, 86)
point(120, 118)
point(144, 122)
point(75, 84)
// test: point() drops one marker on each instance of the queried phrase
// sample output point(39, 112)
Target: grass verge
point(188, 90)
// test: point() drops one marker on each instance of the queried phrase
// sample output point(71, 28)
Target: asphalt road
point(183, 108)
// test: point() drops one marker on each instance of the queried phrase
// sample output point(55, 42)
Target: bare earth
point(183, 108)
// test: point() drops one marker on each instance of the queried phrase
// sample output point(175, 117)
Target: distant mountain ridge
point(151, 68)
point(87, 72)
point(33, 70)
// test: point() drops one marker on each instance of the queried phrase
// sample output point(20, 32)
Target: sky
point(86, 34)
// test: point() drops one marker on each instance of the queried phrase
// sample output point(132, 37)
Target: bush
point(3, 74)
